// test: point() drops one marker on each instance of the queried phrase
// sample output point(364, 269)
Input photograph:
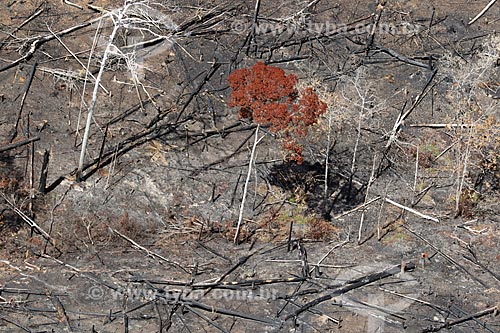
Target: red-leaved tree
point(266, 95)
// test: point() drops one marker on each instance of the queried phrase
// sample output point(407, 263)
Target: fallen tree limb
point(240, 262)
point(11, 321)
point(353, 284)
point(35, 44)
point(317, 265)
point(494, 310)
point(123, 147)
point(67, 2)
point(483, 267)
point(19, 144)
point(447, 257)
point(205, 318)
point(404, 59)
point(411, 210)
point(221, 284)
point(83, 273)
point(443, 125)
point(237, 314)
point(61, 311)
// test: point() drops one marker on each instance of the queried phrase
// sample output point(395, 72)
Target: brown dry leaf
point(103, 172)
point(157, 151)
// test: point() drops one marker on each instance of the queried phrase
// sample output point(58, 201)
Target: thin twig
point(481, 13)
point(401, 118)
point(39, 10)
point(449, 324)
point(93, 103)
point(328, 253)
point(148, 252)
point(67, 2)
point(77, 59)
point(44, 172)
point(411, 210)
point(462, 176)
point(42, 40)
point(443, 125)
point(26, 219)
point(61, 311)
point(242, 206)
point(23, 100)
point(7, 320)
point(357, 208)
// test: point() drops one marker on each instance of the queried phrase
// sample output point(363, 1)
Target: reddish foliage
point(266, 95)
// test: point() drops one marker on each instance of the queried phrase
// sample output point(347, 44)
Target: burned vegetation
point(249, 166)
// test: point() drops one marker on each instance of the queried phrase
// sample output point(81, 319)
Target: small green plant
point(468, 201)
point(277, 224)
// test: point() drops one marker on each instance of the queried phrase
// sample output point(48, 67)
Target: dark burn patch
point(307, 181)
